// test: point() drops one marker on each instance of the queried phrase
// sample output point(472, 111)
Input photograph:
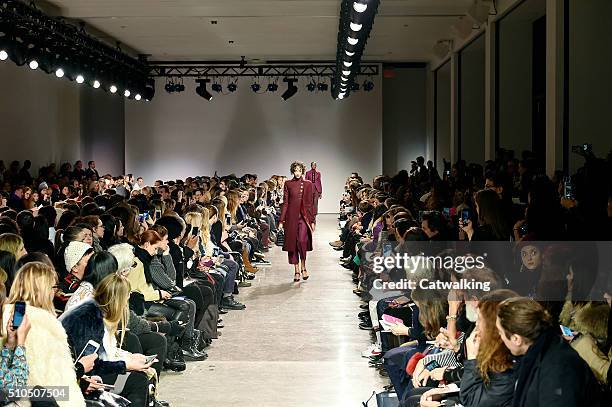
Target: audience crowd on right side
point(536, 331)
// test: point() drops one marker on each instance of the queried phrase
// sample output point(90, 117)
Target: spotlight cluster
point(30, 37)
point(356, 20)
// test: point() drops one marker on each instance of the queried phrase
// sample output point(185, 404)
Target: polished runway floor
point(296, 344)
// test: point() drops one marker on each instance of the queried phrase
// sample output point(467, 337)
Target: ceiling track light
point(360, 7)
point(201, 89)
point(291, 88)
point(355, 27)
point(60, 48)
point(356, 22)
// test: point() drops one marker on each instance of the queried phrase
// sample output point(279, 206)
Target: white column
point(554, 84)
point(454, 111)
point(490, 55)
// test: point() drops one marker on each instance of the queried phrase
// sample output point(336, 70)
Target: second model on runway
point(298, 219)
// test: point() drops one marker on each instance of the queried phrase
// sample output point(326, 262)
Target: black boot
point(174, 358)
point(190, 351)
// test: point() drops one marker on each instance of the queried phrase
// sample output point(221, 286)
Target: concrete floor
point(296, 344)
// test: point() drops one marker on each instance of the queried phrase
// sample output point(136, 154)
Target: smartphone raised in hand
point(18, 313)
point(150, 359)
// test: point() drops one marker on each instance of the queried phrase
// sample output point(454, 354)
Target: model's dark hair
point(297, 164)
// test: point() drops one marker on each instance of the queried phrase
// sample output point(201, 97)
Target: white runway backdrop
point(181, 135)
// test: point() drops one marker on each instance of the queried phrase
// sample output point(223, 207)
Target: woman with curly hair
point(297, 219)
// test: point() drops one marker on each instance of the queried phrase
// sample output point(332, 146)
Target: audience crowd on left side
point(121, 280)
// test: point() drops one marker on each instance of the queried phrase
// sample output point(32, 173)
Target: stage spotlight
point(359, 7)
point(179, 87)
point(201, 89)
point(355, 27)
point(368, 86)
point(59, 72)
point(322, 86)
point(349, 53)
point(113, 89)
point(96, 84)
point(3, 55)
point(355, 86)
point(311, 86)
point(255, 87)
point(341, 95)
point(217, 87)
point(149, 91)
point(138, 97)
point(232, 87)
point(291, 88)
point(80, 79)
point(347, 63)
point(352, 41)
point(346, 73)
point(169, 87)
point(127, 93)
point(33, 64)
point(272, 87)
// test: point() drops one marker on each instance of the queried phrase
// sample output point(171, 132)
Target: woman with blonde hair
point(13, 243)
point(233, 200)
point(49, 358)
point(103, 319)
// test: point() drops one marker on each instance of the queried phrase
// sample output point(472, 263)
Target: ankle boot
point(247, 263)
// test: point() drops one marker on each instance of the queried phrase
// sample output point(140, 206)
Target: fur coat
point(83, 323)
point(48, 354)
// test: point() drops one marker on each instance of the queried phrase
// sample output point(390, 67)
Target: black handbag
point(280, 237)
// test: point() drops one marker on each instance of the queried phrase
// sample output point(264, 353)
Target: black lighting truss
point(356, 20)
point(167, 70)
point(27, 33)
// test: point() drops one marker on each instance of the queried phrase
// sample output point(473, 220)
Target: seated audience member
point(550, 372)
point(49, 359)
point(13, 243)
point(97, 267)
point(13, 361)
point(76, 257)
point(102, 319)
point(487, 374)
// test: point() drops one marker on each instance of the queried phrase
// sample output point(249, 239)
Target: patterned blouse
point(13, 368)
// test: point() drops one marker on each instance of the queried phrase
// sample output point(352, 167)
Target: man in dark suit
point(315, 177)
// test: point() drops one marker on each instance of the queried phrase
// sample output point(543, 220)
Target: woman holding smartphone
point(297, 219)
point(102, 320)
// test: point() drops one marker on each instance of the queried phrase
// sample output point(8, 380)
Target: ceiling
point(404, 30)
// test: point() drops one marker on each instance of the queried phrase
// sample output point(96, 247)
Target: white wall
point(39, 116)
point(404, 118)
point(181, 135)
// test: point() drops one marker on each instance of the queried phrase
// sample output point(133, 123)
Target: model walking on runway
point(297, 219)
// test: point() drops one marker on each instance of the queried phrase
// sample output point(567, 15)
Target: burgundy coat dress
point(314, 176)
point(297, 201)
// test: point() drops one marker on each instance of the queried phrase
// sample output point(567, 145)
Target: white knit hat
point(74, 253)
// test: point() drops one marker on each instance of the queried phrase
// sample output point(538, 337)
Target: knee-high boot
point(247, 263)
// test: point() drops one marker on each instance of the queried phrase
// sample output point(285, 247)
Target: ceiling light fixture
point(291, 88)
point(201, 89)
point(359, 7)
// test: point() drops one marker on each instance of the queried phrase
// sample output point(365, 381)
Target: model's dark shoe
point(222, 311)
point(296, 277)
point(305, 275)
